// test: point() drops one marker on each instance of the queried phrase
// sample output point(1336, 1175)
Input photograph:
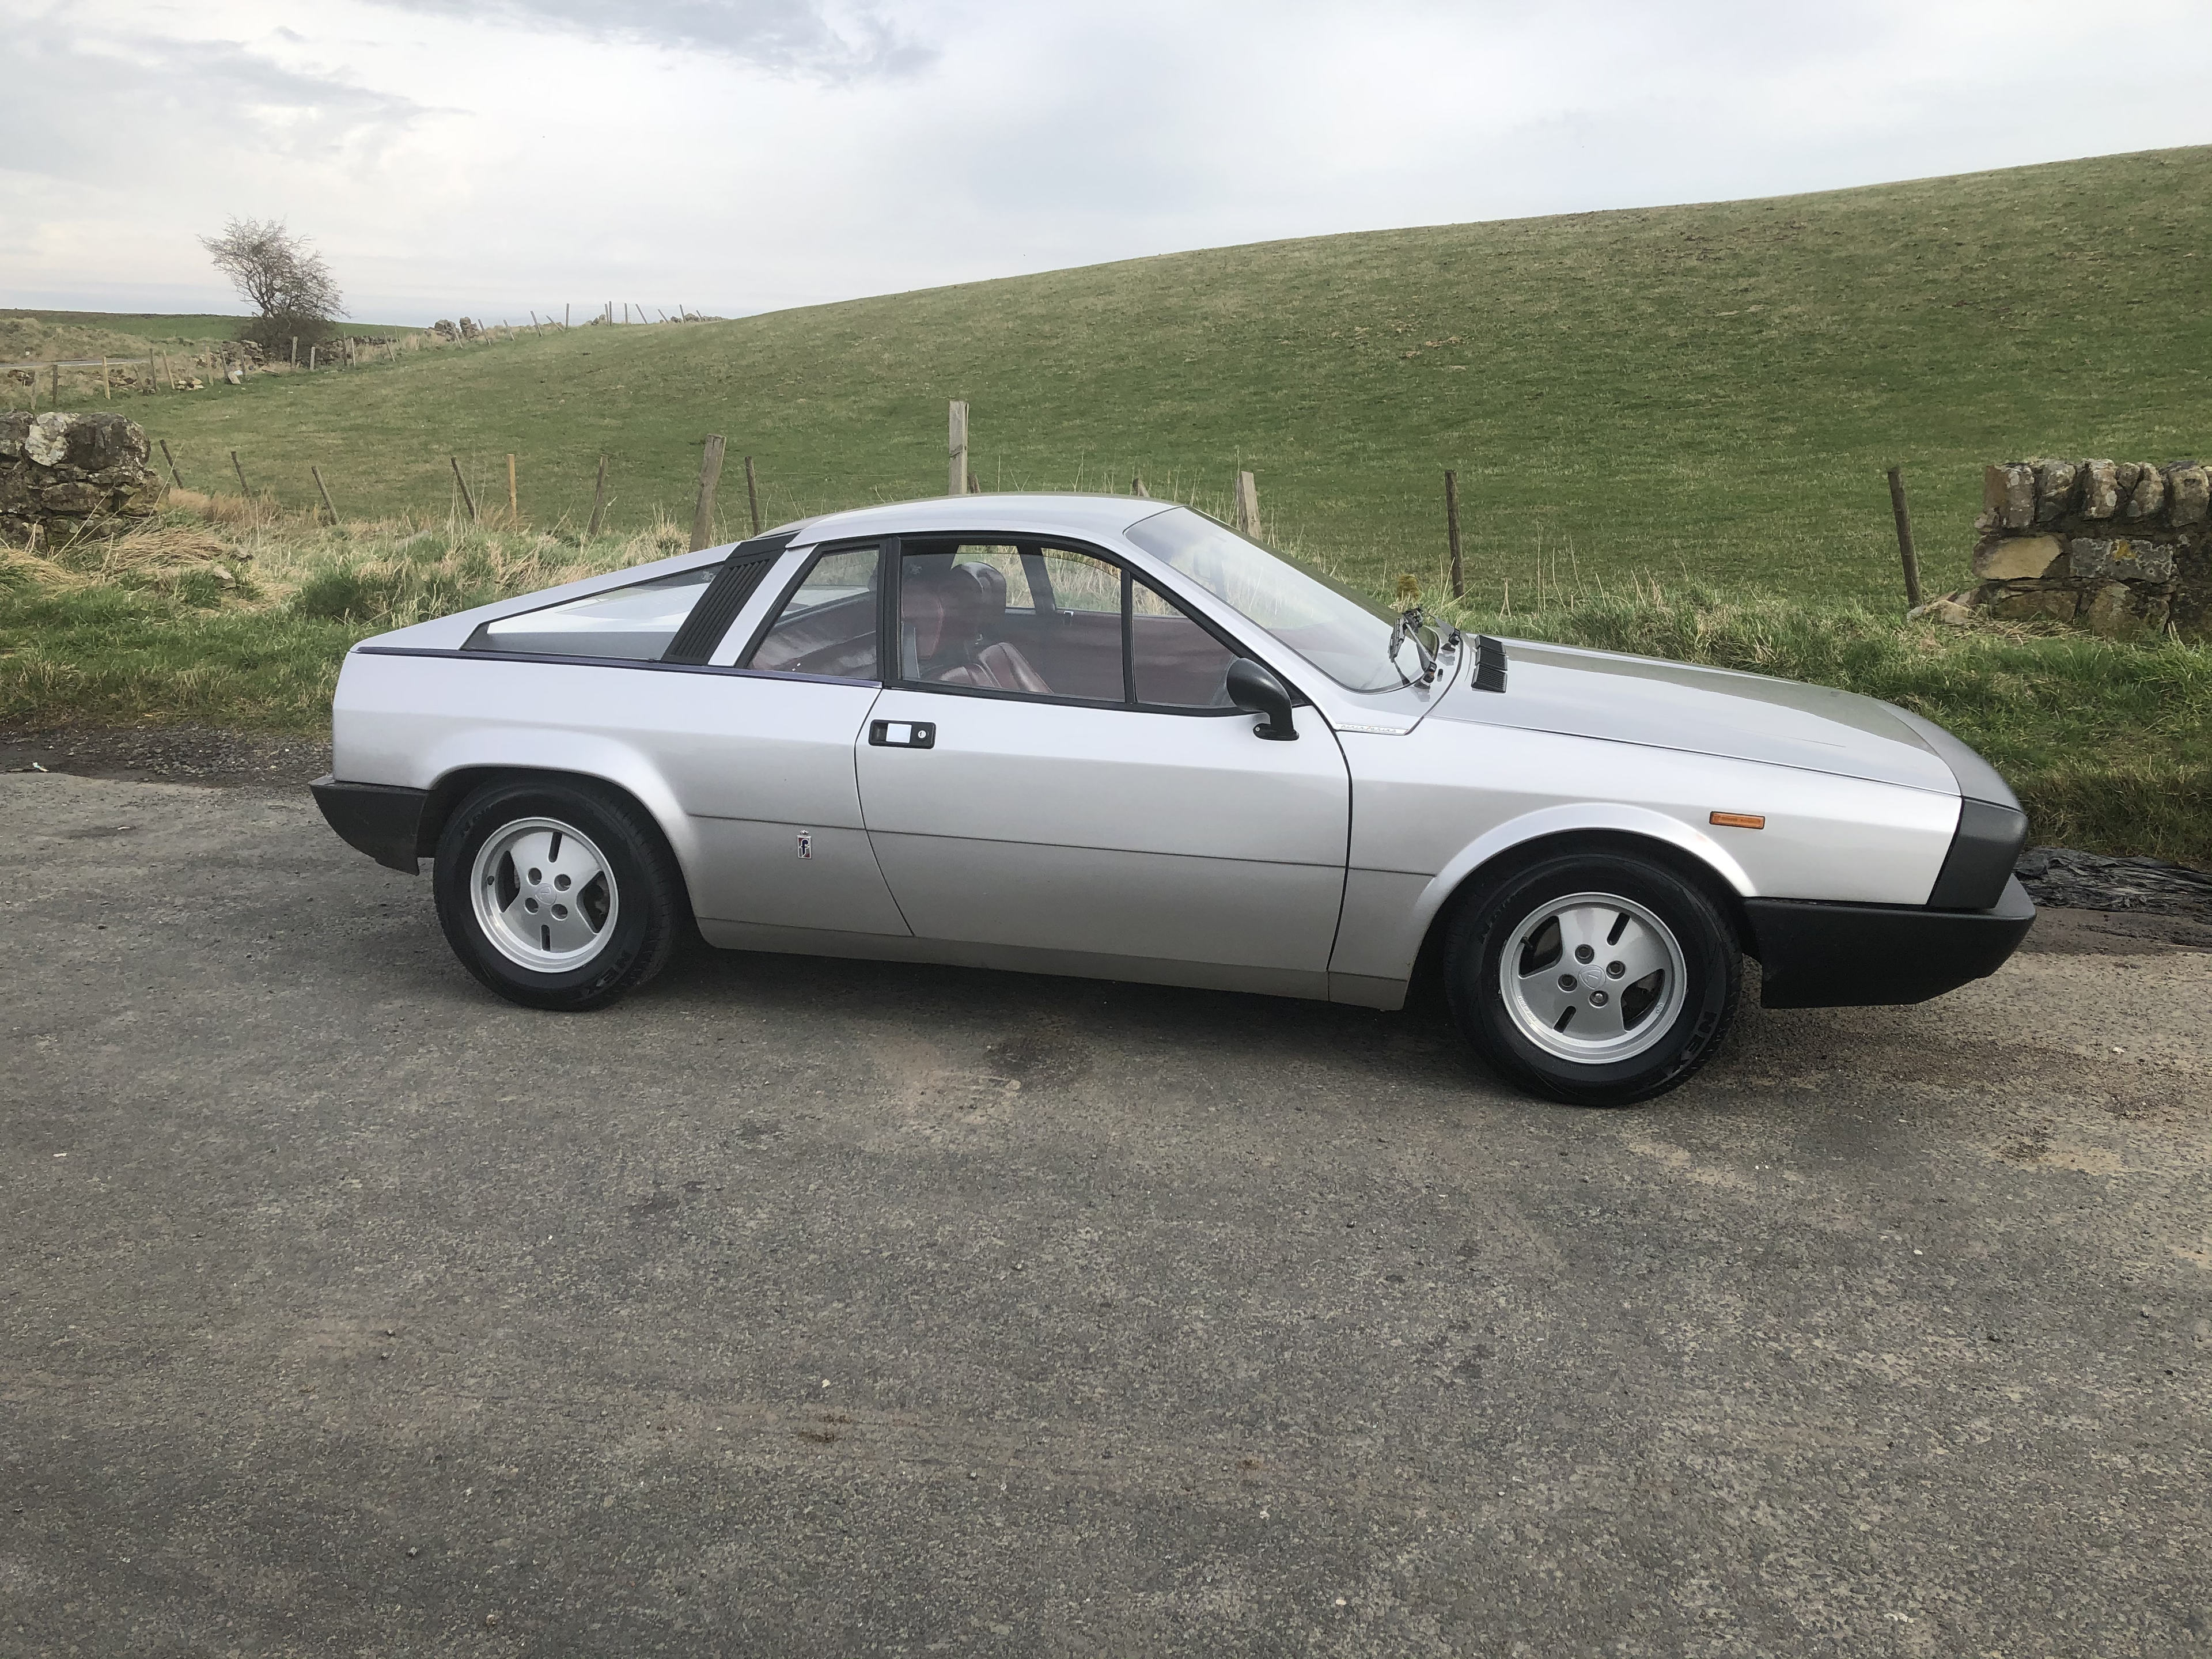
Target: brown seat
point(999, 667)
point(958, 613)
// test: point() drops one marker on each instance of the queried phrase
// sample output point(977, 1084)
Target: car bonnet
point(1706, 711)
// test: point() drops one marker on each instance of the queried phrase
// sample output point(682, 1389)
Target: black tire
point(644, 900)
point(1692, 1016)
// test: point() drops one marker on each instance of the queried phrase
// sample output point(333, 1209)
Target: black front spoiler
point(381, 819)
point(1816, 955)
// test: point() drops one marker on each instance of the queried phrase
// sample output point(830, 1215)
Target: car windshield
point(1347, 637)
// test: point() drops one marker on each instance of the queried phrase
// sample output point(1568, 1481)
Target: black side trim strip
point(725, 597)
point(597, 662)
point(1489, 664)
point(932, 688)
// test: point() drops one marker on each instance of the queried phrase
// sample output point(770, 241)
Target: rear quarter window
point(636, 622)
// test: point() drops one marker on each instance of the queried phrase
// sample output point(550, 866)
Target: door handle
point(902, 734)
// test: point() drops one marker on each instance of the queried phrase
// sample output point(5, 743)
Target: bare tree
point(282, 276)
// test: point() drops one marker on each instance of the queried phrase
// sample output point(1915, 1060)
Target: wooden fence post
point(295, 351)
point(957, 474)
point(172, 460)
point(514, 506)
point(1248, 506)
point(241, 471)
point(466, 497)
point(57, 385)
point(752, 494)
point(1451, 533)
point(598, 502)
point(703, 511)
point(106, 390)
point(324, 489)
point(1905, 552)
point(311, 358)
point(564, 314)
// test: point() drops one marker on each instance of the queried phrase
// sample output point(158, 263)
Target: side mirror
point(1257, 691)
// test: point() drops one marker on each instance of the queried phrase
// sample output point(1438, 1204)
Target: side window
point(1174, 663)
point(828, 625)
point(1042, 621)
point(636, 622)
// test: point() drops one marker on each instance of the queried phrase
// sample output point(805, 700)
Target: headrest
point(993, 582)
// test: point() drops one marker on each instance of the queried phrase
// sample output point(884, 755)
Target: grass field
point(1706, 394)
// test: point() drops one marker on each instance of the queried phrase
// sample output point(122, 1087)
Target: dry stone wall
point(2117, 547)
point(63, 476)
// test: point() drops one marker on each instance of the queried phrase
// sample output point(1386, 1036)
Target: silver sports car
point(1018, 732)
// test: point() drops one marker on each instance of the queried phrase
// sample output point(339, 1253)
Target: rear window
point(637, 623)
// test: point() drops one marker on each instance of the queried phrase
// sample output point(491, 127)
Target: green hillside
point(1710, 391)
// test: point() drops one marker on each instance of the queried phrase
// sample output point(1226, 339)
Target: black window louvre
point(725, 597)
point(1489, 664)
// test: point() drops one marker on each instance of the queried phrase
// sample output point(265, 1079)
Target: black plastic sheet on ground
point(2092, 881)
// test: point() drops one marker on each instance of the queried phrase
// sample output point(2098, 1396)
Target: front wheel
point(1596, 978)
point(557, 895)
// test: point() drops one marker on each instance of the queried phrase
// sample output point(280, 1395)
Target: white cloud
point(738, 155)
point(799, 37)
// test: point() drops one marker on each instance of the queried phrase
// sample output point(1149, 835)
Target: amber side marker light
point(1739, 820)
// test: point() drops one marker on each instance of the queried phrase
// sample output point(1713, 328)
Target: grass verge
point(225, 613)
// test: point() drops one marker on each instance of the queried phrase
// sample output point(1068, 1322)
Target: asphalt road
point(822, 1308)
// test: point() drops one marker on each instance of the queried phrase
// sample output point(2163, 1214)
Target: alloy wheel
point(543, 895)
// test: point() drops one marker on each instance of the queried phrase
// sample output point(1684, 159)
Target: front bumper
point(380, 819)
point(1816, 955)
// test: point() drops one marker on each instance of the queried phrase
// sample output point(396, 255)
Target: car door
point(1056, 769)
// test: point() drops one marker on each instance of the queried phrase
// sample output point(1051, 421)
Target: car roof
point(1039, 513)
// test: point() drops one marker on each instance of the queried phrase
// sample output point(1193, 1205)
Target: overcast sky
point(740, 155)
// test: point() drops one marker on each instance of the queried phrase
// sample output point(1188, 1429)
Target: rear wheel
point(1597, 978)
point(557, 895)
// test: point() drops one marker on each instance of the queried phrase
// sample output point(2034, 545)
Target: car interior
point(1048, 622)
point(827, 626)
point(1032, 619)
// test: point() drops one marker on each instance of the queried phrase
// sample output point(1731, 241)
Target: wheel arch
point(455, 786)
point(1490, 860)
